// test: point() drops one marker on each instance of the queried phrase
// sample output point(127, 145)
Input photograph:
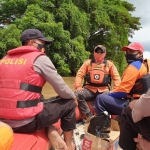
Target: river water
point(48, 90)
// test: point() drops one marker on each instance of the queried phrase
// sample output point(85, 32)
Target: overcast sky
point(143, 35)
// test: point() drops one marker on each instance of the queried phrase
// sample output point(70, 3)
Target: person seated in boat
point(135, 120)
point(24, 71)
point(6, 136)
point(133, 82)
point(97, 74)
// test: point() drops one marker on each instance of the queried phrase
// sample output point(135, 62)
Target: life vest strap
point(30, 87)
point(27, 103)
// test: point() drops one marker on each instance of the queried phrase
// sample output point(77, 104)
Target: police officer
point(24, 71)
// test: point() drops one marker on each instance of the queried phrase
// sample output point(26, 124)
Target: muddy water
point(48, 90)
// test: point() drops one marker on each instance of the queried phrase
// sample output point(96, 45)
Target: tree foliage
point(75, 26)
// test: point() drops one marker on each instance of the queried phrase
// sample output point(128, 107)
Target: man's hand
point(142, 144)
point(79, 89)
point(131, 104)
point(76, 102)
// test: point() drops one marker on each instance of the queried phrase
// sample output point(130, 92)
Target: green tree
point(111, 25)
point(76, 26)
point(9, 39)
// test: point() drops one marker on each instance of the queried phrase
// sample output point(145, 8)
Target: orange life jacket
point(98, 74)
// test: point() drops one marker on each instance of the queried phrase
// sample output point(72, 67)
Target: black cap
point(100, 49)
point(33, 34)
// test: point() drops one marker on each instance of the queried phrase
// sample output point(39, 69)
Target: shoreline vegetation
point(74, 29)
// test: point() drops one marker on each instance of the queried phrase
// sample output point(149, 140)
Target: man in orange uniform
point(131, 84)
point(98, 72)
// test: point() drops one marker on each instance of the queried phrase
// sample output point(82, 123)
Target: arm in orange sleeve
point(81, 74)
point(130, 75)
point(115, 76)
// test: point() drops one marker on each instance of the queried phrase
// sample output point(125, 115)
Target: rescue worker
point(135, 120)
point(6, 136)
point(98, 73)
point(24, 71)
point(133, 82)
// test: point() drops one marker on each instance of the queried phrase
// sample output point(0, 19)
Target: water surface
point(48, 90)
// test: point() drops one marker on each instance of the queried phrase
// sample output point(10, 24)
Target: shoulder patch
point(87, 60)
point(115, 68)
point(137, 64)
point(110, 61)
